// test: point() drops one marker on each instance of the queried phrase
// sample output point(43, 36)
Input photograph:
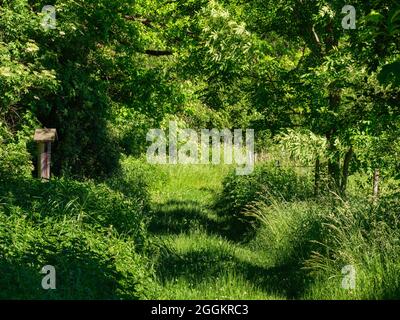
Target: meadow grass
point(197, 259)
point(298, 248)
point(165, 232)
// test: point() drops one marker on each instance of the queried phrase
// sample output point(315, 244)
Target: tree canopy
point(110, 70)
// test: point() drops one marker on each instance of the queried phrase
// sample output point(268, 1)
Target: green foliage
point(288, 228)
point(14, 158)
point(95, 236)
point(136, 178)
point(317, 239)
point(267, 179)
point(90, 263)
point(111, 70)
point(304, 147)
point(227, 43)
point(85, 201)
point(349, 232)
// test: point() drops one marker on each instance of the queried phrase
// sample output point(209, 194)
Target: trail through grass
point(200, 258)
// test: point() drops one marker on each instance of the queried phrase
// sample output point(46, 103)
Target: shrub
point(90, 264)
point(94, 234)
point(266, 182)
point(93, 204)
point(14, 157)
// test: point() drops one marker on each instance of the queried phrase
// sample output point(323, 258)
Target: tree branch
point(145, 21)
point(158, 53)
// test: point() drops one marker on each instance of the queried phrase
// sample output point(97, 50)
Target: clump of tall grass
point(315, 237)
point(286, 227)
point(266, 180)
point(94, 234)
point(319, 237)
point(365, 236)
point(267, 183)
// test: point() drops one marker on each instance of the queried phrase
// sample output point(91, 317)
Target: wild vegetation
point(322, 202)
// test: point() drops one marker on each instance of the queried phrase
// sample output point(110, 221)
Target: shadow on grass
point(208, 264)
point(286, 278)
point(176, 217)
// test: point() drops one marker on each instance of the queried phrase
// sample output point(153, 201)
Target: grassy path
point(199, 261)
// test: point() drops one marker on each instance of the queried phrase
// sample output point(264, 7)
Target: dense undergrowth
point(316, 237)
point(93, 233)
point(178, 233)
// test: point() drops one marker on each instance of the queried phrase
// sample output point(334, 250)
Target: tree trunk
point(334, 156)
point(317, 176)
point(376, 185)
point(345, 171)
point(333, 165)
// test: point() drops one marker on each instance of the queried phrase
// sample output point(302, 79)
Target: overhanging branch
point(158, 53)
point(145, 21)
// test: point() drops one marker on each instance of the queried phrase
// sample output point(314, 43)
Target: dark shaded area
point(95, 203)
point(176, 217)
point(286, 279)
point(391, 292)
point(19, 281)
point(81, 273)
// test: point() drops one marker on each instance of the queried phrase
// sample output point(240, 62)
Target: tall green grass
point(197, 232)
point(313, 238)
point(365, 236)
point(197, 256)
point(94, 234)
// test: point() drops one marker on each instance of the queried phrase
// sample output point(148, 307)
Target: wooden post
point(40, 151)
point(44, 138)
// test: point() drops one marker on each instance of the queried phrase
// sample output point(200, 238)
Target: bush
point(91, 203)
point(14, 157)
point(90, 264)
point(94, 234)
point(266, 182)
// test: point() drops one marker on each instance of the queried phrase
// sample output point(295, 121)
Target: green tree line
point(111, 70)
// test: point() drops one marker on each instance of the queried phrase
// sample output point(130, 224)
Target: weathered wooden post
point(44, 138)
